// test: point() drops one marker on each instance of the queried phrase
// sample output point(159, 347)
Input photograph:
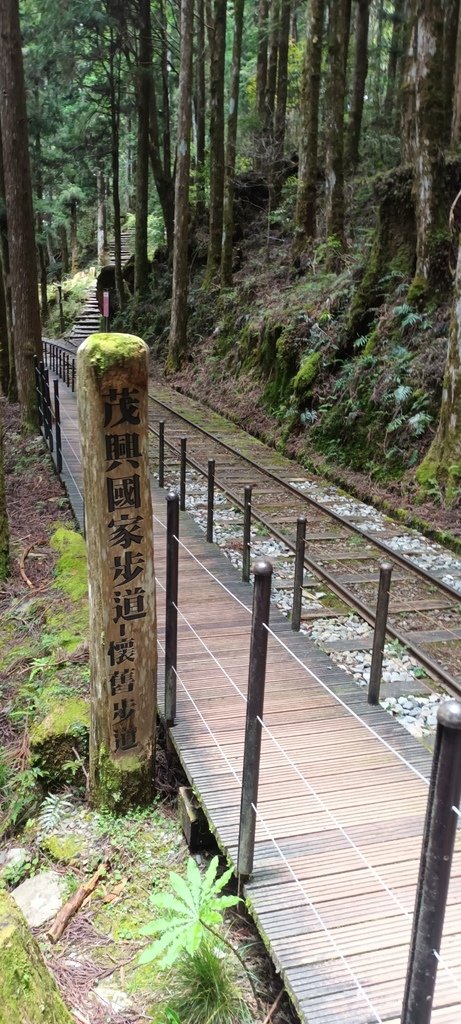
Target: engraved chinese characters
point(127, 562)
point(112, 395)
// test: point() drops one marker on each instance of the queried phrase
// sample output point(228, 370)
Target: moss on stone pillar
point(28, 993)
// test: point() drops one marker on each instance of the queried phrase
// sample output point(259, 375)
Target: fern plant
point(54, 808)
point(196, 906)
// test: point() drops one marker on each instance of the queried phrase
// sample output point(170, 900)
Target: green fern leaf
point(186, 894)
point(223, 880)
point(165, 901)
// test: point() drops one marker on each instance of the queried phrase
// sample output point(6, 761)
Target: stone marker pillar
point(112, 376)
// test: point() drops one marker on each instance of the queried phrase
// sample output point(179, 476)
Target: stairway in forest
point(89, 319)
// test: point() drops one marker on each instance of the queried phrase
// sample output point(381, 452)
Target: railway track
point(346, 541)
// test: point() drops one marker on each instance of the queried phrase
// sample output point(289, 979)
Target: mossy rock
point(71, 569)
point(52, 740)
point(64, 849)
point(28, 993)
point(304, 380)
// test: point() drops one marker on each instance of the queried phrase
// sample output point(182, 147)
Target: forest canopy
point(327, 132)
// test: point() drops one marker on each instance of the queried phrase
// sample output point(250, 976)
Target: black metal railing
point(61, 363)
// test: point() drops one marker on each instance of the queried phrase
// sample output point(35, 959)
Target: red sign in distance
point(105, 304)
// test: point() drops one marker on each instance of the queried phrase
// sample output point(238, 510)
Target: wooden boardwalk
point(342, 795)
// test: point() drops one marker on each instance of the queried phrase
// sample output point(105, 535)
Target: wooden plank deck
point(341, 802)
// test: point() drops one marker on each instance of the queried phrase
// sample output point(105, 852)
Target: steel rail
point(386, 548)
point(433, 669)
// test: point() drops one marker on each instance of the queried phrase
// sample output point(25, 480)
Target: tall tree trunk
point(456, 120)
point(232, 118)
point(306, 219)
point(11, 386)
point(73, 233)
point(216, 136)
point(282, 92)
point(336, 89)
point(143, 89)
point(200, 103)
point(451, 24)
point(261, 81)
point(4, 354)
point(20, 217)
point(395, 55)
point(41, 244)
point(101, 228)
point(377, 78)
point(42, 263)
point(162, 175)
point(178, 329)
point(267, 155)
point(443, 460)
point(62, 232)
point(4, 532)
point(165, 93)
point(261, 60)
point(114, 100)
point(423, 134)
point(360, 76)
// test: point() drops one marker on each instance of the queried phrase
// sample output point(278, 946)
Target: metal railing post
point(246, 554)
point(299, 573)
point(48, 410)
point(57, 426)
point(171, 610)
point(161, 454)
point(210, 501)
point(38, 391)
point(182, 475)
point(41, 382)
point(435, 866)
point(379, 638)
point(262, 570)
point(73, 374)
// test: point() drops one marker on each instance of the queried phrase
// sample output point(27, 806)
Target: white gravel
point(416, 712)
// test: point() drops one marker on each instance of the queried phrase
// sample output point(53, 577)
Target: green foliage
point(329, 251)
point(194, 905)
point(205, 990)
point(4, 771)
point(23, 794)
point(54, 808)
point(19, 870)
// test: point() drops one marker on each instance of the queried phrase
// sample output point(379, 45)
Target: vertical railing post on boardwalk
point(435, 866)
point(210, 501)
point(262, 570)
point(38, 392)
point(299, 573)
point(182, 475)
point(73, 374)
point(379, 638)
point(57, 426)
point(171, 610)
point(246, 554)
point(48, 410)
point(161, 454)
